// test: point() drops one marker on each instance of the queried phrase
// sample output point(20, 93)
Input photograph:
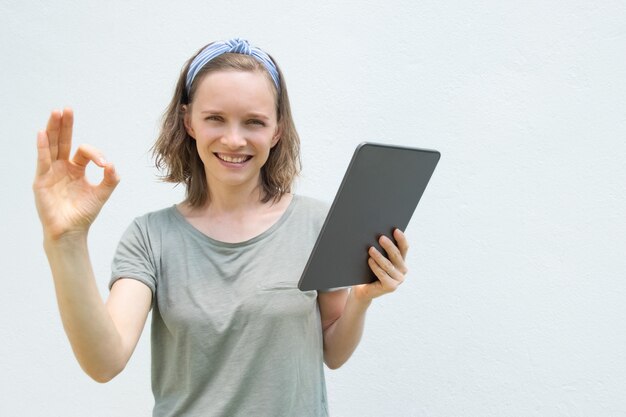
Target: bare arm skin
point(343, 312)
point(102, 336)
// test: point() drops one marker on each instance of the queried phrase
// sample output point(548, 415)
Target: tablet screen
point(379, 192)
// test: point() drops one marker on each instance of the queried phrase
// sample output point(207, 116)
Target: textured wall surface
point(516, 301)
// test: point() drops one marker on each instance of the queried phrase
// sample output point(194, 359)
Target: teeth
point(233, 159)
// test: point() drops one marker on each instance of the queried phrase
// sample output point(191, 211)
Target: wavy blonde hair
point(175, 152)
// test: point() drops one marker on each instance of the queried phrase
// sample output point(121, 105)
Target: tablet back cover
point(379, 192)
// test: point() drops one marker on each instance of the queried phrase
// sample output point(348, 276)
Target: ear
point(187, 121)
point(277, 135)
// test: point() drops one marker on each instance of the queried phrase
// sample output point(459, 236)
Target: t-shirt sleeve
point(134, 257)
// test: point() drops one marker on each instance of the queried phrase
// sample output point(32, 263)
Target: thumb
point(108, 183)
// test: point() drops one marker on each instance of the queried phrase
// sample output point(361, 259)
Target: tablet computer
point(379, 192)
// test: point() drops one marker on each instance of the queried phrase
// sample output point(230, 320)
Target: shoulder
point(311, 207)
point(156, 218)
point(310, 211)
point(150, 226)
point(311, 204)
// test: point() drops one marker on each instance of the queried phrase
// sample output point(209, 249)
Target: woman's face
point(233, 120)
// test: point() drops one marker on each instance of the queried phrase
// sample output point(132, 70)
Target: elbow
point(101, 362)
point(101, 379)
point(102, 376)
point(333, 366)
point(335, 358)
point(333, 363)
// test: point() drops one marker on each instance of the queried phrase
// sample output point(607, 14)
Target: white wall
point(515, 305)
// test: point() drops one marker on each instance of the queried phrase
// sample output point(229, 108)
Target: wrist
point(65, 241)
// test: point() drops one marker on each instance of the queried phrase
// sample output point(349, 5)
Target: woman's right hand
point(66, 201)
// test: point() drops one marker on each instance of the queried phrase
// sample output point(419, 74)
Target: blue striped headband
point(237, 46)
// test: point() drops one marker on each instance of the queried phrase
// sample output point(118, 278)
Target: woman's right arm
point(102, 336)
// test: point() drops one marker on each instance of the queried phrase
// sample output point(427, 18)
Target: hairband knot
point(239, 46)
point(236, 46)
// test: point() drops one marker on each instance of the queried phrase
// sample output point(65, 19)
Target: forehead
point(244, 88)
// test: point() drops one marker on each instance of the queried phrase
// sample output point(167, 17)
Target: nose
point(233, 138)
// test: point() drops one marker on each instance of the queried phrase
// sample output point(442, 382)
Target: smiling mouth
point(233, 159)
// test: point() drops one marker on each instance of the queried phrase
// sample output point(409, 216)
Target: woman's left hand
point(390, 270)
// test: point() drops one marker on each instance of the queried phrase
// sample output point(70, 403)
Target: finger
point(386, 265)
point(53, 129)
point(43, 153)
point(393, 253)
point(65, 134)
point(108, 183)
point(86, 153)
point(387, 282)
point(401, 241)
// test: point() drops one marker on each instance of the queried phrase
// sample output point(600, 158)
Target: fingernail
point(102, 161)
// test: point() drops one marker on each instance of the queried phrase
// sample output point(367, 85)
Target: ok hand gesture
point(66, 201)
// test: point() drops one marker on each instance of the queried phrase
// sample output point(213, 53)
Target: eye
point(214, 118)
point(256, 122)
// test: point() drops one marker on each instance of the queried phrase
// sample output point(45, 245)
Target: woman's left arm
point(343, 311)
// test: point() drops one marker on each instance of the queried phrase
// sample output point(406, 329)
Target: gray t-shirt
point(232, 335)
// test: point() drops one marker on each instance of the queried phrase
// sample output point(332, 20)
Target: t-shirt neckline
point(263, 235)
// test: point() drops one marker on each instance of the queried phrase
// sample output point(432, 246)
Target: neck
point(228, 200)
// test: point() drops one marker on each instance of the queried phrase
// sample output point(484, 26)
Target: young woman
point(231, 333)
